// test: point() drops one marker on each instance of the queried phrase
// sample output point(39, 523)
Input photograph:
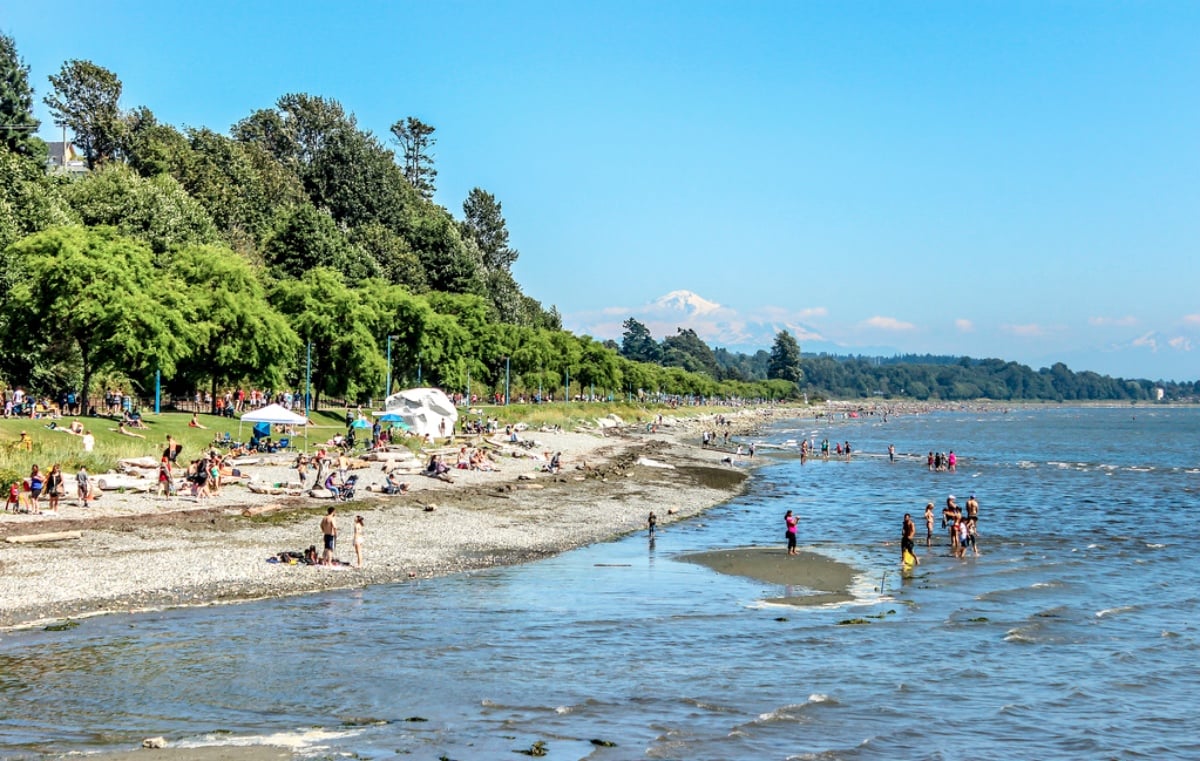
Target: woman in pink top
point(791, 521)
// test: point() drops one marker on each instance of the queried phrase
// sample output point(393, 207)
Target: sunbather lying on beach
point(121, 429)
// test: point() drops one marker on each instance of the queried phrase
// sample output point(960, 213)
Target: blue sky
point(996, 179)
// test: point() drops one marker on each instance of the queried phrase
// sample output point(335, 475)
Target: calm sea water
point(1073, 635)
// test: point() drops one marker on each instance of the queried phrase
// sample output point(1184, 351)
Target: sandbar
point(829, 580)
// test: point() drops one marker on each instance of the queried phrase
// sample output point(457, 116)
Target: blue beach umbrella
point(361, 422)
point(391, 417)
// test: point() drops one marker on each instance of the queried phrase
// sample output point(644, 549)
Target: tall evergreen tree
point(18, 127)
point(784, 362)
point(416, 140)
point(637, 343)
point(484, 223)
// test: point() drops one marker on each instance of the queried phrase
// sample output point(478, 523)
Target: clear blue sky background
point(996, 179)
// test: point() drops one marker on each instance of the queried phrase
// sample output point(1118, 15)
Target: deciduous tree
point(237, 334)
point(86, 99)
point(99, 292)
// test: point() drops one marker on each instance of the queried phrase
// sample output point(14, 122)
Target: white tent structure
point(275, 414)
point(426, 411)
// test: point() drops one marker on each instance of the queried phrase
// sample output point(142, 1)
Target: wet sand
point(828, 579)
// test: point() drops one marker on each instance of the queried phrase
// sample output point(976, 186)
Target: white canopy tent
point(275, 414)
point(426, 411)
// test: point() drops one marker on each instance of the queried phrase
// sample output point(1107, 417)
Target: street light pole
point(307, 379)
point(388, 389)
point(507, 376)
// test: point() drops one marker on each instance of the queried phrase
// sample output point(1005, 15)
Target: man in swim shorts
point(329, 530)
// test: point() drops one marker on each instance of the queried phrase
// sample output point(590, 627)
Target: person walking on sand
point(652, 523)
point(83, 481)
point(358, 540)
point(329, 532)
point(790, 521)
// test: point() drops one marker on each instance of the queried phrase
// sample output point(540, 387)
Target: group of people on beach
point(962, 527)
point(25, 496)
point(329, 535)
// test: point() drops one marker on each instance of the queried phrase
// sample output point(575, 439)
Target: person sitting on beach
point(75, 428)
point(195, 422)
point(331, 485)
point(393, 485)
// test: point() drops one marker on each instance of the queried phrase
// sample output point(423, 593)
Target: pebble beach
point(141, 551)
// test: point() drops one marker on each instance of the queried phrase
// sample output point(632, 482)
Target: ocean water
point(1072, 636)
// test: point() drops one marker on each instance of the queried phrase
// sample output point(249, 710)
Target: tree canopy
point(223, 258)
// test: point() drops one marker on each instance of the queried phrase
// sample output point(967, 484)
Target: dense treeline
point(295, 246)
point(922, 377)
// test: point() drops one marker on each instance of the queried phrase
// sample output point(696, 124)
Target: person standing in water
point(929, 524)
point(790, 521)
point(652, 523)
point(908, 535)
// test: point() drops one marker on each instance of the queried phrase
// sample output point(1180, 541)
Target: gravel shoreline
point(139, 552)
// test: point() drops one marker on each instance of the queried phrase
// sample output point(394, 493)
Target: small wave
point(1154, 546)
point(795, 711)
point(1118, 609)
point(299, 740)
point(1019, 635)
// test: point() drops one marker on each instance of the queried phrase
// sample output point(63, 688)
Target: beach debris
point(115, 481)
point(154, 742)
point(271, 507)
point(53, 536)
point(365, 722)
point(647, 462)
point(537, 749)
point(430, 508)
point(63, 626)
